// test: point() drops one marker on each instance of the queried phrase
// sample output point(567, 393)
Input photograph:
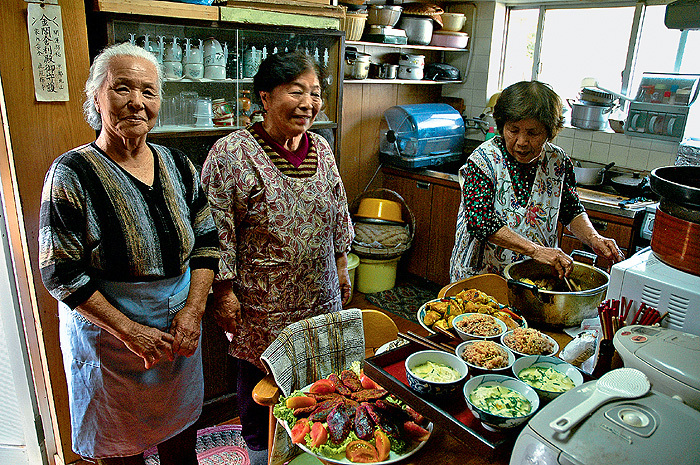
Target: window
point(562, 45)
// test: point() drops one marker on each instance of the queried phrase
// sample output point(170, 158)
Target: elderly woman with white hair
point(129, 248)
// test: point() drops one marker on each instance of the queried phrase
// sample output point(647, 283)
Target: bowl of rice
point(483, 356)
point(478, 326)
point(529, 341)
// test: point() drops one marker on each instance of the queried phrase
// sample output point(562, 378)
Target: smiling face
point(291, 108)
point(525, 139)
point(129, 100)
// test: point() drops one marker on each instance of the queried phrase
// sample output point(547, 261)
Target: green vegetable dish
point(501, 401)
point(436, 372)
point(546, 379)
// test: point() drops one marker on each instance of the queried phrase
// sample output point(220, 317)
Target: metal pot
point(681, 184)
point(589, 116)
point(590, 174)
point(419, 30)
point(555, 308)
point(632, 185)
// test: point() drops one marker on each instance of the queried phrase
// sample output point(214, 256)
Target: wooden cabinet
point(435, 203)
point(625, 231)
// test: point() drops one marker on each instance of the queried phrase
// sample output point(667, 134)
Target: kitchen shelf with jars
point(209, 68)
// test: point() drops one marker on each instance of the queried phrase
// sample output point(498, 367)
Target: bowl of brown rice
point(478, 326)
point(529, 341)
point(483, 356)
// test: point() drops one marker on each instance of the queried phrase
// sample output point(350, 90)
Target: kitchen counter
point(604, 202)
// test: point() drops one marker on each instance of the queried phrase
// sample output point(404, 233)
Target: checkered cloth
point(309, 350)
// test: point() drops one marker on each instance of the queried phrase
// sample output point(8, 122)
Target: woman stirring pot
point(516, 187)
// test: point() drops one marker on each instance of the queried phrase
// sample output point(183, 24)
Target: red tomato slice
point(322, 386)
point(319, 434)
point(367, 383)
point(299, 430)
point(382, 444)
point(361, 452)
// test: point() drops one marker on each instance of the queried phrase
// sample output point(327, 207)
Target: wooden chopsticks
point(539, 241)
point(413, 337)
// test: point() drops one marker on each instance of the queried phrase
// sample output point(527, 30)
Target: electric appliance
point(420, 135)
point(652, 429)
point(669, 358)
point(645, 278)
point(683, 14)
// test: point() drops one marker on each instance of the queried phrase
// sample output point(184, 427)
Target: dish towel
point(306, 351)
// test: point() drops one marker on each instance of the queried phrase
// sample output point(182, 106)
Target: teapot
point(172, 51)
point(214, 54)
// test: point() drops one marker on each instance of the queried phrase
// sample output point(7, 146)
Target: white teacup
point(172, 69)
point(215, 72)
point(203, 113)
point(194, 70)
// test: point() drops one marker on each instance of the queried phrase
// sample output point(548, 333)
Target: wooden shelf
point(408, 46)
point(162, 8)
point(397, 81)
point(194, 131)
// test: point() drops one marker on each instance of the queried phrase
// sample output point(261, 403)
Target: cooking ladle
point(593, 82)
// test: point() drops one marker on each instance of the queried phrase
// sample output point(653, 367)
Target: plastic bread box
point(418, 135)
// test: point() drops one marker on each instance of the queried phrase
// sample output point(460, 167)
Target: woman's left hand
point(607, 248)
point(185, 328)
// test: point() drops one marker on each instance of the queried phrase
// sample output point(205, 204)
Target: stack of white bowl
point(411, 66)
point(215, 59)
point(172, 59)
point(193, 60)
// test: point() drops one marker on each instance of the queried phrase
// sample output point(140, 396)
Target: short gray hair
point(98, 73)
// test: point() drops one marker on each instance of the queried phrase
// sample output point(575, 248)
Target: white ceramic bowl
point(477, 369)
point(506, 336)
point(466, 336)
point(546, 361)
point(434, 388)
point(493, 421)
point(453, 21)
point(215, 72)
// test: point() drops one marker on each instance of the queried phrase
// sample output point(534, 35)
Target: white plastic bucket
point(353, 261)
point(376, 275)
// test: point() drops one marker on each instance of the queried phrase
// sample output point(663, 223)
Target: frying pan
point(632, 185)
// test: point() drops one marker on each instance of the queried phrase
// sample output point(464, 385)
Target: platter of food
point(347, 418)
point(442, 311)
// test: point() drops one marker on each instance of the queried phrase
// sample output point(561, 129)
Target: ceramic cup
point(215, 72)
point(194, 70)
point(172, 69)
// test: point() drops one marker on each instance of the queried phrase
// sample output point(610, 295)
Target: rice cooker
point(653, 429)
point(670, 359)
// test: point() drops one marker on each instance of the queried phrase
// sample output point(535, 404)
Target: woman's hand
point(151, 344)
point(186, 328)
point(225, 306)
point(341, 262)
point(606, 247)
point(554, 257)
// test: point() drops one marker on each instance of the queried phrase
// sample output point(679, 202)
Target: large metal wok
point(555, 308)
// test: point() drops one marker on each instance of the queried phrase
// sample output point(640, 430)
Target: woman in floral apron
point(129, 248)
point(284, 226)
point(516, 188)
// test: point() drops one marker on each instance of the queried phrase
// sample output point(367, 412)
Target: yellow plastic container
point(353, 261)
point(376, 275)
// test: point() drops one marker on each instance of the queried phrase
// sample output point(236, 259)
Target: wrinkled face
point(291, 108)
point(129, 100)
point(525, 139)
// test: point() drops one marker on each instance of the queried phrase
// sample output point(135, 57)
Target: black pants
point(254, 417)
point(178, 450)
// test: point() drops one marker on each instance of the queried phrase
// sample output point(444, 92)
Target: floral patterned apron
point(117, 407)
point(471, 256)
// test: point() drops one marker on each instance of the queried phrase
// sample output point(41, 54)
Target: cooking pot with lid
point(590, 174)
point(555, 308)
point(588, 115)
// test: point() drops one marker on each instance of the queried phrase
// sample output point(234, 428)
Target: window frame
point(637, 23)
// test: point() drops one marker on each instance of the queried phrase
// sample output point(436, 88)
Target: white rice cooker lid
point(651, 429)
point(674, 353)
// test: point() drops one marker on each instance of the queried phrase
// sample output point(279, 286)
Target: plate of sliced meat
point(347, 418)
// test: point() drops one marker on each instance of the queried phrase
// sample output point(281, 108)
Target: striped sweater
point(98, 221)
